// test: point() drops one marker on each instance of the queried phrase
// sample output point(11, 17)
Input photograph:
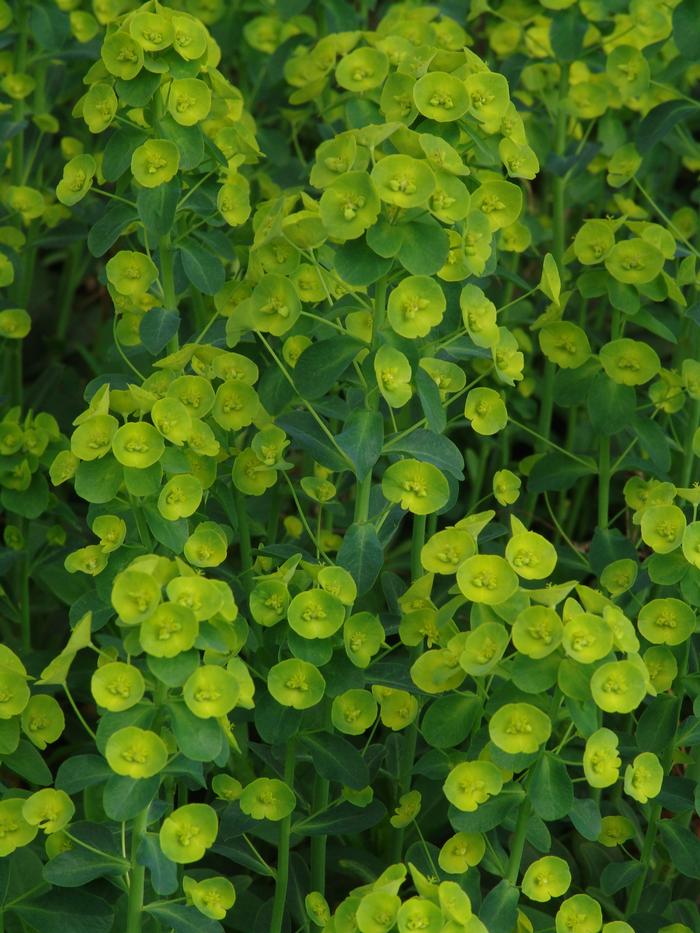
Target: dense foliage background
point(349, 470)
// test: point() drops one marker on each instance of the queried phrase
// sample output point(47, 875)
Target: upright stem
point(603, 481)
point(167, 281)
point(518, 844)
point(363, 489)
point(137, 875)
point(282, 879)
point(379, 309)
point(243, 531)
point(318, 843)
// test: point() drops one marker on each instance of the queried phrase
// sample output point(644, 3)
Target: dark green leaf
point(361, 554)
point(566, 32)
point(557, 472)
point(551, 790)
point(585, 815)
point(188, 139)
point(171, 534)
point(204, 270)
point(81, 771)
point(9, 736)
point(183, 919)
point(487, 815)
point(686, 29)
point(385, 238)
point(448, 720)
point(683, 847)
point(156, 207)
point(689, 732)
point(321, 365)
point(28, 764)
point(118, 151)
point(199, 739)
point(67, 912)
point(618, 875)
point(336, 759)
point(610, 405)
point(430, 400)
point(124, 797)
point(157, 327)
point(362, 439)
point(499, 909)
point(660, 121)
point(163, 872)
point(424, 248)
point(98, 481)
point(105, 232)
point(657, 724)
point(303, 429)
point(143, 482)
point(431, 447)
point(79, 865)
point(276, 724)
point(29, 503)
point(359, 265)
point(345, 818)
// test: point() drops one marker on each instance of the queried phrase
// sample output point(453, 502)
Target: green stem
point(364, 487)
point(603, 481)
point(243, 531)
point(137, 875)
point(517, 846)
point(379, 308)
point(318, 843)
point(417, 542)
point(167, 281)
point(285, 831)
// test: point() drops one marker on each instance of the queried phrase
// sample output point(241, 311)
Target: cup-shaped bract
point(235, 405)
point(663, 528)
point(188, 832)
point(189, 100)
point(485, 410)
point(629, 362)
point(483, 648)
point(546, 878)
point(354, 711)
point(155, 162)
point(180, 497)
point(131, 273)
point(415, 306)
point(472, 783)
point(275, 305)
point(644, 777)
point(446, 550)
point(92, 439)
point(618, 686)
point(267, 799)
point(116, 686)
point(460, 852)
point(362, 70)
point(531, 555)
point(213, 897)
point(580, 913)
point(210, 691)
point(137, 444)
point(393, 373)
point(519, 727)
point(418, 486)
point(168, 631)
point(349, 206)
point(296, 683)
point(136, 753)
point(441, 96)
point(587, 638)
point(363, 635)
point(122, 55)
point(601, 761)
point(135, 596)
point(403, 181)
point(376, 912)
point(537, 632)
point(77, 178)
point(487, 578)
point(17, 832)
point(315, 614)
point(49, 810)
point(418, 913)
point(42, 720)
point(666, 621)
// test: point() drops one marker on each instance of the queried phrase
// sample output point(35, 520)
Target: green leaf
point(345, 818)
point(81, 771)
point(362, 555)
point(448, 720)
point(79, 865)
point(622, 296)
point(359, 265)
point(47, 27)
point(336, 759)
point(143, 482)
point(609, 545)
point(660, 121)
point(611, 406)
point(199, 739)
point(424, 248)
point(550, 282)
point(171, 534)
point(487, 815)
point(174, 671)
point(67, 911)
point(118, 151)
point(686, 29)
point(28, 764)
point(183, 919)
point(557, 472)
point(551, 790)
point(105, 232)
point(499, 909)
point(276, 724)
point(98, 481)
point(688, 732)
point(385, 238)
point(566, 32)
point(683, 847)
point(29, 503)
point(302, 428)
point(585, 816)
point(362, 438)
point(432, 448)
point(618, 875)
point(124, 797)
point(430, 400)
point(188, 139)
point(156, 207)
point(157, 327)
point(657, 724)
point(138, 91)
point(321, 365)
point(163, 872)
point(204, 270)
point(9, 735)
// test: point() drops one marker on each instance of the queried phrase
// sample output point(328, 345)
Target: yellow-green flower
point(77, 179)
point(226, 787)
point(354, 711)
point(207, 545)
point(190, 37)
point(362, 70)
point(210, 691)
point(460, 852)
point(363, 635)
point(233, 200)
point(644, 777)
point(188, 832)
point(122, 55)
point(397, 708)
point(418, 486)
point(479, 316)
point(296, 683)
point(393, 373)
point(601, 761)
point(180, 497)
point(618, 687)
point(565, 344)
point(663, 528)
point(92, 439)
point(634, 261)
point(418, 913)
point(407, 810)
point(487, 578)
point(49, 810)
point(377, 911)
point(594, 241)
point(579, 914)
point(15, 831)
point(100, 106)
point(440, 96)
point(169, 630)
point(135, 596)
point(530, 554)
point(519, 727)
point(15, 323)
point(446, 550)
point(471, 783)
point(349, 206)
point(275, 305)
point(315, 614)
point(488, 98)
point(403, 181)
point(486, 411)
point(629, 362)
point(136, 753)
point(14, 692)
point(212, 897)
point(691, 544)
point(662, 667)
point(415, 306)
point(666, 621)
point(615, 831)
point(267, 799)
point(546, 878)
point(483, 648)
point(117, 686)
point(537, 632)
point(42, 720)
point(506, 487)
point(155, 162)
point(189, 101)
point(131, 273)
point(619, 576)
point(137, 444)
point(587, 638)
